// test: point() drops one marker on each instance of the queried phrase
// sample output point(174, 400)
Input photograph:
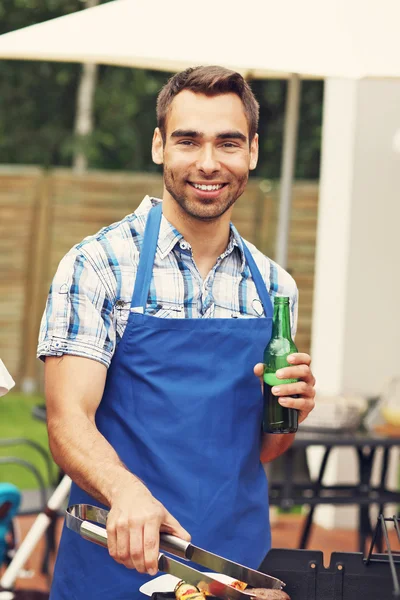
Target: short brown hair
point(210, 81)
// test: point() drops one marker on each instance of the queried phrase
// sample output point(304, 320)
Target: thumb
point(172, 526)
point(259, 369)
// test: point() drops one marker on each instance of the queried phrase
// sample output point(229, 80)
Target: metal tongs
point(89, 520)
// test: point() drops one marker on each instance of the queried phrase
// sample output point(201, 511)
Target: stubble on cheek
point(172, 187)
point(242, 182)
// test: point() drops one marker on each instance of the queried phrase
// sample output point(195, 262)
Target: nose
point(207, 161)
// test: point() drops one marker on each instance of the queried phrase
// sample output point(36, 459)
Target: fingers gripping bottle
point(277, 418)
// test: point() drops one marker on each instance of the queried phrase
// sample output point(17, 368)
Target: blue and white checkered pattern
point(90, 297)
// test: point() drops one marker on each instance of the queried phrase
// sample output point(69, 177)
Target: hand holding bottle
point(304, 388)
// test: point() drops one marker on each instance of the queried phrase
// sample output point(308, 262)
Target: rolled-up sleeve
point(78, 318)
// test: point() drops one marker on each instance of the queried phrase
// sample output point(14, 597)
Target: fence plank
point(35, 297)
point(18, 188)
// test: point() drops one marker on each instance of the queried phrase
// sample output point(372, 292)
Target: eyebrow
point(224, 135)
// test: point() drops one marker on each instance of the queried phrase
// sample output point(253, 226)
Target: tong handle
point(94, 533)
point(175, 545)
point(169, 543)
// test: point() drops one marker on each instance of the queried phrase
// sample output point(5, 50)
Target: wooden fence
point(43, 214)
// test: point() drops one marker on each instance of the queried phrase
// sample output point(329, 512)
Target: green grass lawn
point(16, 421)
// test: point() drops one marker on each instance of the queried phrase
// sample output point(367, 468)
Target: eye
point(229, 145)
point(186, 143)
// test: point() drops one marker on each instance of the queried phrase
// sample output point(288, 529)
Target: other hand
point(134, 524)
point(304, 388)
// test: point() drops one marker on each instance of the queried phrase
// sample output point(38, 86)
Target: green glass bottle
point(277, 418)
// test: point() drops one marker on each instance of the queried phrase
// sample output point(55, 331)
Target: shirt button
point(184, 245)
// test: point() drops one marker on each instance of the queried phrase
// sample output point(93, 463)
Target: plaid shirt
point(90, 297)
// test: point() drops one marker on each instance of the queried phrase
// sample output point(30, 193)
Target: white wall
point(356, 315)
point(333, 233)
point(373, 280)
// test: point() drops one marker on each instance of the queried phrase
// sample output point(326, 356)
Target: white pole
point(288, 166)
point(34, 534)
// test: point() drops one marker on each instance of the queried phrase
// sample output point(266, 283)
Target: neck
point(281, 322)
point(208, 239)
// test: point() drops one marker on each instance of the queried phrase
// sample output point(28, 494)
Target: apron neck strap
point(259, 282)
point(148, 252)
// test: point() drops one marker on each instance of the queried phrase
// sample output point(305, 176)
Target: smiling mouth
point(203, 187)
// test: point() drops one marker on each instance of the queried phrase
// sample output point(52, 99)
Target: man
point(154, 409)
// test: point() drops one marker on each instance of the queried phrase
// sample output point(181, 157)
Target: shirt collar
point(237, 241)
point(168, 236)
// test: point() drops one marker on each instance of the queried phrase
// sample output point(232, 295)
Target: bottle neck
point(281, 324)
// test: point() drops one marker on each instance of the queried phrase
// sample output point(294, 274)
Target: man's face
point(206, 155)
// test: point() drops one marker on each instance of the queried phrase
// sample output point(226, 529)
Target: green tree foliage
point(271, 96)
point(125, 118)
point(37, 106)
point(37, 100)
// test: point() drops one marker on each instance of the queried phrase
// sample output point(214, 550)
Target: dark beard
point(191, 209)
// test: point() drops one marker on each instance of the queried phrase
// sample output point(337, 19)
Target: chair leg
point(317, 488)
point(305, 534)
point(385, 464)
point(366, 460)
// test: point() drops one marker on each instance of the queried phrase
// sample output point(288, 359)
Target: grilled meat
point(264, 594)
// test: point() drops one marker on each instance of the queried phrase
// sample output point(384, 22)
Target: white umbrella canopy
point(261, 39)
point(264, 38)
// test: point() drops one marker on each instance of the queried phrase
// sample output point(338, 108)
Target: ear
point(157, 147)
point(253, 152)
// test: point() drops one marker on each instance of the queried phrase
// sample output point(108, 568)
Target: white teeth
point(207, 188)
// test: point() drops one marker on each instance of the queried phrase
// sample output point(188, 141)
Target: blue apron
point(183, 410)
